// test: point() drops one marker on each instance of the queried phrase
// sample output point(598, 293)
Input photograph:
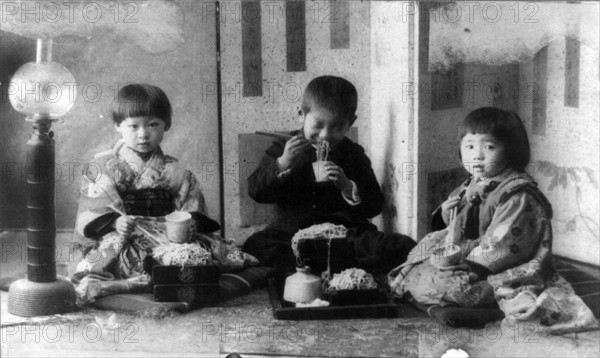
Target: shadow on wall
point(390, 183)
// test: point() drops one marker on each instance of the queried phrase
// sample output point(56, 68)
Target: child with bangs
point(127, 192)
point(496, 248)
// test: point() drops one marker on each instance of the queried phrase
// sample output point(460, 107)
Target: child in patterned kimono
point(499, 224)
point(126, 194)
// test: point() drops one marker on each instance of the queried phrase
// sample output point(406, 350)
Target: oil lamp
point(43, 91)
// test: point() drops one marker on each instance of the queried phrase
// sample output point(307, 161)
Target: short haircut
point(506, 127)
point(141, 100)
point(333, 93)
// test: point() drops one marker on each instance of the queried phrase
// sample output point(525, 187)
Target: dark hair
point(335, 94)
point(506, 127)
point(141, 99)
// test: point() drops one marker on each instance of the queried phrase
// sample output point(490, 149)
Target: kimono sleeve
point(191, 199)
point(189, 196)
point(98, 200)
point(518, 227)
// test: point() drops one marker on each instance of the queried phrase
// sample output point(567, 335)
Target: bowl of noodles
point(352, 286)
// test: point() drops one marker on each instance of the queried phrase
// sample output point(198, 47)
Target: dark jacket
point(303, 202)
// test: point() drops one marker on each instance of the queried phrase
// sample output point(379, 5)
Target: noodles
point(323, 149)
point(320, 231)
point(352, 279)
point(182, 254)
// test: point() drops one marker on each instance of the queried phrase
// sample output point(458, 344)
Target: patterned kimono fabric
point(504, 229)
point(120, 180)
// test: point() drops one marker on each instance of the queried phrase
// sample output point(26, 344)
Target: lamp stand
point(41, 293)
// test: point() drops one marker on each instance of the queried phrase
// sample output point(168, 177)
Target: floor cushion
point(586, 286)
point(231, 285)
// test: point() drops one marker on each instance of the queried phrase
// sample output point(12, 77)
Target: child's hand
point(337, 176)
point(125, 225)
point(447, 207)
point(460, 269)
point(295, 153)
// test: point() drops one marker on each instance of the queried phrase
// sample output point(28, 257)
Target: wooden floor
point(246, 326)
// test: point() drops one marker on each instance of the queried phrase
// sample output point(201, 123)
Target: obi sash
point(148, 202)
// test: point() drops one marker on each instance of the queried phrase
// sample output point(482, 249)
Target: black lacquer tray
point(382, 306)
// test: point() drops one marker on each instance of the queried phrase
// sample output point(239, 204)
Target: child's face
point(482, 155)
point(321, 124)
point(142, 134)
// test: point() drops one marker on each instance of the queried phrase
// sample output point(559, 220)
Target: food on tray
point(188, 254)
point(326, 231)
point(351, 279)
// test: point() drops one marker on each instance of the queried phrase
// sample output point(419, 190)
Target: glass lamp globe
point(43, 88)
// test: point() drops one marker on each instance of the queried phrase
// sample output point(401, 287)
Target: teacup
point(178, 226)
point(319, 170)
point(448, 255)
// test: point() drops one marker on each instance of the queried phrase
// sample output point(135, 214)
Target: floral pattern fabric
point(514, 250)
point(115, 263)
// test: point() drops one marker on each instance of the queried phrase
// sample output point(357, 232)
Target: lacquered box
point(193, 294)
point(186, 275)
point(198, 285)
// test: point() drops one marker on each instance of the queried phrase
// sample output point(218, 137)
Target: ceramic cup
point(178, 226)
point(302, 286)
point(319, 170)
point(449, 255)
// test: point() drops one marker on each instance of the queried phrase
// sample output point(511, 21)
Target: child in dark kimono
point(499, 221)
point(126, 194)
point(350, 193)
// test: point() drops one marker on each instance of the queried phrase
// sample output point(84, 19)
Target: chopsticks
point(155, 240)
point(454, 210)
point(453, 215)
point(274, 134)
point(452, 218)
point(450, 240)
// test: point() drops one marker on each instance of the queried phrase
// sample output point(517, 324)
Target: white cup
point(449, 255)
point(319, 170)
point(178, 226)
